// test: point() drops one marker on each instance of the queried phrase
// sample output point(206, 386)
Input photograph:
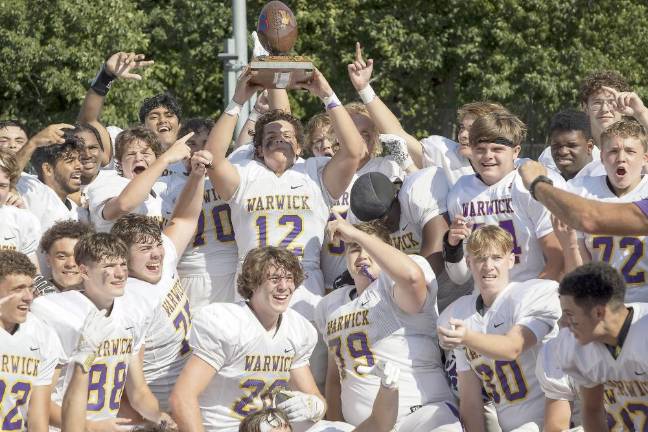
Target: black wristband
point(452, 254)
point(102, 82)
point(534, 183)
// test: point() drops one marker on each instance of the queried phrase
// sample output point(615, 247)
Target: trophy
point(277, 32)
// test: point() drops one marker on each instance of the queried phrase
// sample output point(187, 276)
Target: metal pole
point(239, 24)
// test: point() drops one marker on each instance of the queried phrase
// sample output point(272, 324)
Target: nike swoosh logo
point(497, 325)
point(36, 349)
point(10, 238)
point(287, 350)
point(405, 227)
point(129, 328)
point(295, 187)
point(364, 303)
point(642, 373)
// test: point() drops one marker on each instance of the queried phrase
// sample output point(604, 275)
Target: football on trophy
point(277, 28)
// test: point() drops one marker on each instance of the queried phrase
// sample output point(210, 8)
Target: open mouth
point(280, 297)
point(564, 161)
point(621, 171)
point(23, 308)
point(164, 128)
point(153, 267)
point(76, 177)
point(139, 169)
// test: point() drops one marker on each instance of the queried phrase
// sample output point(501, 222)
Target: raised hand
point(530, 170)
point(121, 64)
point(245, 88)
point(460, 230)
point(302, 406)
point(340, 229)
point(453, 336)
point(179, 150)
point(627, 103)
point(566, 235)
point(318, 86)
point(262, 104)
point(387, 372)
point(200, 161)
point(15, 200)
point(52, 134)
point(360, 70)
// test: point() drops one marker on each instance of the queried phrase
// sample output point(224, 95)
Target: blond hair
point(498, 127)
point(479, 108)
point(488, 239)
point(9, 165)
point(625, 129)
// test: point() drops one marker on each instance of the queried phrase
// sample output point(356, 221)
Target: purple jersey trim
point(643, 206)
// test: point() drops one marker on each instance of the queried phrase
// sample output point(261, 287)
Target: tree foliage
point(431, 56)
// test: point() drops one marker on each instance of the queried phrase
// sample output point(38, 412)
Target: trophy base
point(282, 72)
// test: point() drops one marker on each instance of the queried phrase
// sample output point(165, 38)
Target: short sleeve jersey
point(625, 253)
point(508, 204)
point(250, 361)
point(443, 153)
point(19, 230)
point(371, 326)
point(65, 313)
point(28, 358)
point(111, 186)
point(511, 385)
point(287, 211)
point(43, 202)
point(624, 379)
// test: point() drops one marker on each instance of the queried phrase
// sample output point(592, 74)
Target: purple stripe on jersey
point(643, 206)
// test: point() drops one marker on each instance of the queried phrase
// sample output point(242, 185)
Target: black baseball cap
point(372, 195)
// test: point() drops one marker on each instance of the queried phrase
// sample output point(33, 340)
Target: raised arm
point(553, 255)
point(182, 226)
point(569, 243)
point(118, 66)
point(139, 188)
point(52, 134)
point(590, 216)
point(629, 104)
point(360, 74)
point(410, 288)
point(223, 174)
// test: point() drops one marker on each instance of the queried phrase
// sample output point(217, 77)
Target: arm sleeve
point(109, 187)
point(539, 309)
point(52, 356)
point(304, 350)
point(554, 382)
point(30, 233)
point(209, 340)
point(243, 171)
point(427, 201)
point(461, 361)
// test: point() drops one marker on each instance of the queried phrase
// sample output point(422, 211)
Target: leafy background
point(431, 56)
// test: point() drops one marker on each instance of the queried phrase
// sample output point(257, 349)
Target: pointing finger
point(358, 52)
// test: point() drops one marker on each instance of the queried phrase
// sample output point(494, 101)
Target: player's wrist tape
point(534, 183)
point(367, 94)
point(254, 116)
point(331, 101)
point(102, 82)
point(233, 108)
point(452, 254)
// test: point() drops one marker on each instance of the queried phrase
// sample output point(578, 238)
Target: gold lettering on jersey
point(8, 247)
point(405, 242)
point(627, 389)
point(19, 365)
point(114, 347)
point(471, 354)
point(350, 320)
point(485, 208)
point(277, 202)
point(173, 298)
point(268, 363)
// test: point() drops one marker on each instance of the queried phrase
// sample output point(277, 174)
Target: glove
point(302, 407)
point(258, 49)
point(387, 372)
point(97, 327)
point(397, 148)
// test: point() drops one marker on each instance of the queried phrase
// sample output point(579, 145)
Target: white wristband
point(233, 109)
point(331, 102)
point(367, 94)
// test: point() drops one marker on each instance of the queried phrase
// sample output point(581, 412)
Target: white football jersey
point(19, 230)
point(332, 258)
point(214, 249)
point(111, 186)
point(422, 197)
point(28, 358)
point(626, 254)
point(167, 338)
point(508, 204)
point(512, 385)
point(625, 379)
point(443, 153)
point(555, 383)
point(371, 326)
point(65, 313)
point(43, 202)
point(250, 361)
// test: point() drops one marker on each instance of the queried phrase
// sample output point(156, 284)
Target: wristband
point(102, 82)
point(534, 183)
point(331, 102)
point(452, 254)
point(367, 94)
point(233, 108)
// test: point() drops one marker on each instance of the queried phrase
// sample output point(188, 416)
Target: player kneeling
point(496, 335)
point(389, 313)
point(246, 351)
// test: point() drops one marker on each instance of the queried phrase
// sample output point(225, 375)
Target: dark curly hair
point(593, 284)
point(64, 229)
point(15, 263)
point(594, 81)
point(271, 116)
point(571, 120)
point(165, 100)
point(196, 125)
point(256, 263)
point(54, 153)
